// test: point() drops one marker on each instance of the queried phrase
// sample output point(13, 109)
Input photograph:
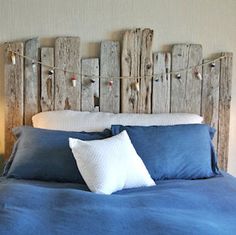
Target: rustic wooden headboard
point(31, 87)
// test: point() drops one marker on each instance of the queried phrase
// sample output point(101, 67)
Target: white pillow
point(87, 121)
point(111, 164)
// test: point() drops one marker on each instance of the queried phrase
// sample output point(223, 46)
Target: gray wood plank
point(161, 84)
point(137, 62)
point(14, 82)
point(90, 85)
point(210, 96)
point(146, 72)
point(110, 67)
point(131, 56)
point(47, 80)
point(67, 57)
point(186, 92)
point(224, 109)
point(31, 84)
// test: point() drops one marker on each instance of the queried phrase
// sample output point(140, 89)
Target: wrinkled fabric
point(206, 206)
point(174, 152)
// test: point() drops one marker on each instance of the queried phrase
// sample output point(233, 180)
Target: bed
point(44, 190)
point(170, 207)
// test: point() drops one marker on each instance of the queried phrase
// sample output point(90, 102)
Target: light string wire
point(115, 77)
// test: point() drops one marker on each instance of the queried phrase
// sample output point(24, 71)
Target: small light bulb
point(213, 65)
point(137, 86)
point(110, 84)
point(73, 80)
point(178, 76)
point(199, 75)
point(50, 72)
point(34, 66)
point(13, 58)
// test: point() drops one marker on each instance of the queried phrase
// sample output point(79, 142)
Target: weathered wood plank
point(47, 80)
point(67, 57)
point(186, 92)
point(146, 72)
point(110, 67)
point(31, 83)
point(161, 84)
point(90, 85)
point(14, 89)
point(210, 96)
point(130, 59)
point(224, 109)
point(137, 62)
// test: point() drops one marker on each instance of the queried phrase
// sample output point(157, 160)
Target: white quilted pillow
point(87, 121)
point(111, 164)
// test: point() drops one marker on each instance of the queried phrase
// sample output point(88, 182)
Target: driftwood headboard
point(31, 87)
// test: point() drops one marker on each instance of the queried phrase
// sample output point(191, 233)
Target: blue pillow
point(174, 152)
point(42, 154)
point(212, 132)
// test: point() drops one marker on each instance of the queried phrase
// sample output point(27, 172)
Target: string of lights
point(155, 76)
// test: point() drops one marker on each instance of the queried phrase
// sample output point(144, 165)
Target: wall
point(208, 22)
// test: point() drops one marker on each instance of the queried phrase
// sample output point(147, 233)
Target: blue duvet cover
point(172, 207)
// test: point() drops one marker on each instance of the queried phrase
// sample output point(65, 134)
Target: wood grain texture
point(67, 57)
point(186, 95)
point(210, 96)
point(130, 60)
point(47, 81)
point(224, 109)
point(137, 61)
point(14, 88)
point(161, 83)
point(110, 67)
point(186, 92)
point(31, 83)
point(90, 85)
point(146, 72)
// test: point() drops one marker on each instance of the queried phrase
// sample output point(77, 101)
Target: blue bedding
point(205, 206)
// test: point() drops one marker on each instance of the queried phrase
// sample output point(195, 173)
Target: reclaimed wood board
point(31, 81)
point(224, 109)
point(210, 96)
point(47, 96)
point(186, 91)
point(109, 71)
point(14, 91)
point(130, 59)
point(140, 93)
point(146, 71)
point(67, 57)
point(90, 85)
point(161, 83)
point(136, 62)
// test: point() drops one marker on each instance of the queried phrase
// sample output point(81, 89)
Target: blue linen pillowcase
point(41, 154)
point(174, 152)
